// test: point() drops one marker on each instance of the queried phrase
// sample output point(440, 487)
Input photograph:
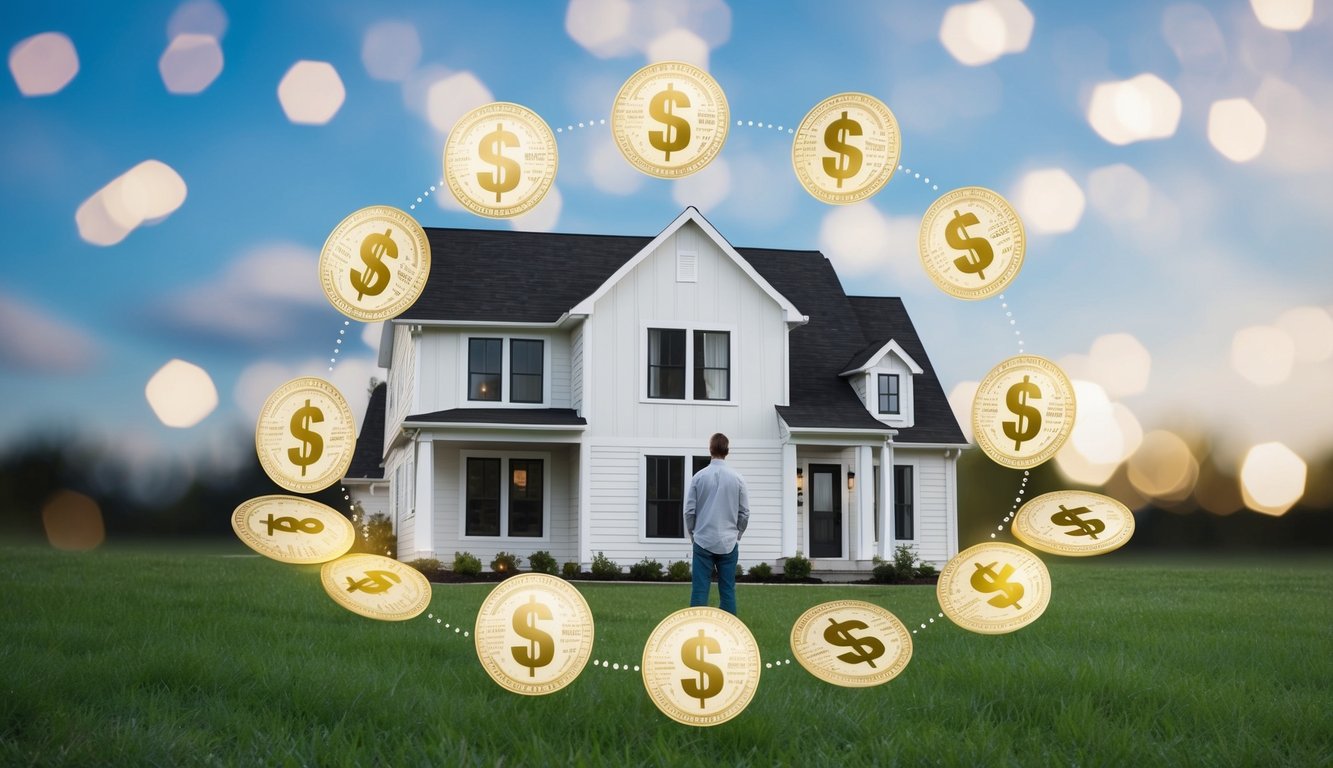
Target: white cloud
point(611, 28)
point(33, 340)
point(542, 217)
point(705, 189)
point(862, 242)
point(608, 171)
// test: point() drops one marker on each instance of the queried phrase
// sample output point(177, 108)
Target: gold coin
point(1023, 411)
point(670, 119)
point(846, 148)
point(291, 529)
point(305, 435)
point(972, 243)
point(500, 160)
point(994, 588)
point(376, 587)
point(1074, 523)
point(534, 634)
point(701, 666)
point(851, 643)
point(374, 264)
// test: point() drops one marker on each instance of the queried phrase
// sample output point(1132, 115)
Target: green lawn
point(158, 658)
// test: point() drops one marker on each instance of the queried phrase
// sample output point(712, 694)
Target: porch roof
point(537, 418)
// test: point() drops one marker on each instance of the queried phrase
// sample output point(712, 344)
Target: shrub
point(646, 570)
point(542, 562)
point(374, 534)
point(883, 572)
point(925, 570)
point(904, 557)
point(604, 567)
point(796, 568)
point(570, 569)
point(466, 564)
point(428, 566)
point(678, 571)
point(761, 571)
point(505, 562)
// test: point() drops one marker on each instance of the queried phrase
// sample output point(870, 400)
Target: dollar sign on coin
point(541, 648)
point(847, 163)
point(1029, 418)
point(660, 110)
point(312, 445)
point(374, 249)
point(863, 649)
point(693, 653)
point(289, 524)
point(374, 583)
point(1090, 527)
point(505, 176)
point(979, 254)
point(986, 580)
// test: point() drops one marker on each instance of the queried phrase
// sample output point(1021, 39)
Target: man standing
point(717, 510)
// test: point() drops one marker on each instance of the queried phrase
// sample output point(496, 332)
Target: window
point(902, 502)
point(699, 463)
point(665, 497)
point(504, 496)
point(525, 370)
point(888, 393)
point(483, 368)
point(483, 497)
point(666, 363)
point(712, 365)
point(525, 497)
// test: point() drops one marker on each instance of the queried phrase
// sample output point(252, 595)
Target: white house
point(555, 392)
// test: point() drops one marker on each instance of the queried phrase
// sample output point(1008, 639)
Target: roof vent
point(687, 267)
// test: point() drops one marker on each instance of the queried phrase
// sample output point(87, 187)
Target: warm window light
point(851, 480)
point(800, 486)
point(521, 478)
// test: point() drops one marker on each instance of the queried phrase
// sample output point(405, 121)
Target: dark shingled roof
point(370, 440)
point(545, 417)
point(489, 275)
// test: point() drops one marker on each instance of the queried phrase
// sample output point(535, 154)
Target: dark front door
point(825, 510)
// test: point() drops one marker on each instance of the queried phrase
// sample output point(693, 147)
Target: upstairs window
point(483, 369)
point(888, 394)
point(689, 364)
point(666, 363)
point(712, 365)
point(525, 370)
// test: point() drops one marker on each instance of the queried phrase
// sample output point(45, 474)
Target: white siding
point(931, 507)
point(397, 470)
point(557, 346)
point(724, 298)
point(444, 367)
point(576, 368)
point(618, 499)
point(402, 381)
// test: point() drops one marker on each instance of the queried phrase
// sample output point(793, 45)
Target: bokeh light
point(679, 45)
point(311, 92)
point(43, 64)
point(1194, 37)
point(1311, 332)
point(600, 26)
point(1285, 15)
point(73, 522)
point(1163, 467)
point(391, 50)
point(1049, 200)
point(1218, 492)
point(1263, 355)
point(145, 194)
point(973, 33)
point(198, 17)
point(191, 63)
point(960, 401)
point(1141, 108)
point(1120, 363)
point(454, 96)
point(542, 217)
point(1272, 478)
point(1236, 129)
point(1105, 435)
point(181, 394)
point(1119, 192)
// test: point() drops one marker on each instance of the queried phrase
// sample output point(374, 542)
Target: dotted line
point(930, 621)
point(917, 175)
point(1017, 500)
point(762, 124)
point(442, 625)
point(588, 124)
point(1013, 322)
point(771, 664)
point(604, 664)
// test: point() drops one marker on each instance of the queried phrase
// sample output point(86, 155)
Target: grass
point(155, 658)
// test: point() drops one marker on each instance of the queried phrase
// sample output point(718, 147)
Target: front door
point(825, 511)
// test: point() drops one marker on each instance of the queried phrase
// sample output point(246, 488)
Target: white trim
point(915, 463)
point(873, 361)
point(584, 541)
point(494, 425)
point(691, 213)
point(423, 483)
point(840, 487)
point(504, 457)
point(690, 329)
point(506, 353)
point(484, 323)
point(788, 482)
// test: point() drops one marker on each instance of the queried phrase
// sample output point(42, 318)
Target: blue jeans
point(702, 574)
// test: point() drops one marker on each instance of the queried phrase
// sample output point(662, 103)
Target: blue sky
point(1174, 244)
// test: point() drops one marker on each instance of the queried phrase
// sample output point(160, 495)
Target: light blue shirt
point(717, 507)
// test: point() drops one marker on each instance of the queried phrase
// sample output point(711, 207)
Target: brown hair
point(719, 446)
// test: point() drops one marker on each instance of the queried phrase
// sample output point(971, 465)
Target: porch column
point(886, 542)
point(423, 472)
point(863, 547)
point(788, 512)
point(584, 542)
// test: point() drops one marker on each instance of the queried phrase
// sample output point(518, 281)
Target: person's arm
point(689, 509)
point(743, 511)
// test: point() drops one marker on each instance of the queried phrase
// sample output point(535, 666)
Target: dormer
point(882, 376)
